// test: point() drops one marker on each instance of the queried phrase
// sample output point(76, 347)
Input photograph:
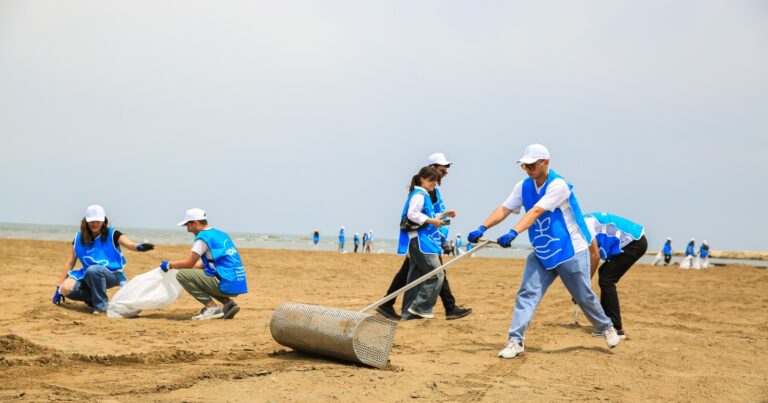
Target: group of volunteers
point(566, 243)
point(367, 240)
point(692, 260)
point(212, 271)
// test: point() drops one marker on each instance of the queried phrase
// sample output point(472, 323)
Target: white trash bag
point(659, 256)
point(696, 263)
point(705, 263)
point(154, 289)
point(686, 263)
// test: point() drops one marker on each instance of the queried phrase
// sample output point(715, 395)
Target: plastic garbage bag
point(705, 263)
point(686, 263)
point(154, 289)
point(659, 257)
point(696, 263)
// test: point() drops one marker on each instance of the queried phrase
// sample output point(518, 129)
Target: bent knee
point(66, 287)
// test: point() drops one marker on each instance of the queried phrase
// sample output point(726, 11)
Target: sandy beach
point(692, 336)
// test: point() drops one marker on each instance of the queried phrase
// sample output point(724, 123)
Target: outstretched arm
point(498, 215)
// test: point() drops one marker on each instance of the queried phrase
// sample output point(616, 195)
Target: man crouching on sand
point(221, 274)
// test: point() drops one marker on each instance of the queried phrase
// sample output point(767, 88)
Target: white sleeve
point(591, 225)
point(515, 200)
point(200, 247)
point(556, 195)
point(414, 209)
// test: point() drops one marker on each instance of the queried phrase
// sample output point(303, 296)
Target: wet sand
point(692, 336)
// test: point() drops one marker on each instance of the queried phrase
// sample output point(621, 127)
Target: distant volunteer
point(458, 244)
point(690, 254)
point(667, 251)
point(315, 239)
point(704, 254)
point(219, 276)
point(620, 243)
point(342, 240)
point(356, 241)
point(560, 241)
point(369, 244)
point(421, 240)
point(98, 247)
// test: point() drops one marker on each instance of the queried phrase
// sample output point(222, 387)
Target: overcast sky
point(286, 116)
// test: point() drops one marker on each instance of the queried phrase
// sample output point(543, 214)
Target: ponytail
point(427, 172)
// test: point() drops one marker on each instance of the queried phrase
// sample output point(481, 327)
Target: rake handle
point(483, 243)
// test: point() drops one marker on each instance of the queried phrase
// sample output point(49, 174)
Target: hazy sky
point(286, 116)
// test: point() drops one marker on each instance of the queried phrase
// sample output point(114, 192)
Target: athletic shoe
point(230, 309)
point(388, 312)
point(209, 313)
point(576, 310)
point(420, 314)
point(513, 349)
point(457, 312)
point(619, 332)
point(612, 338)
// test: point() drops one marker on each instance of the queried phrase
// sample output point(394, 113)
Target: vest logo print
point(89, 261)
point(541, 241)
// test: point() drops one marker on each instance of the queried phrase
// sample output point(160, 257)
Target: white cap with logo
point(193, 214)
point(95, 213)
point(438, 159)
point(533, 153)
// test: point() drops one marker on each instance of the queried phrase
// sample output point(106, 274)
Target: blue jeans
point(423, 297)
point(92, 289)
point(536, 280)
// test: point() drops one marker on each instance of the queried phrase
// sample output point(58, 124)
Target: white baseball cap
point(669, 239)
point(704, 242)
point(693, 239)
point(439, 159)
point(193, 214)
point(533, 153)
point(95, 213)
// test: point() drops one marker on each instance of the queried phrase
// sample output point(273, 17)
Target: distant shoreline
point(726, 254)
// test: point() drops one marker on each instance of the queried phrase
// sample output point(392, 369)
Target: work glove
point(58, 297)
point(145, 247)
point(164, 265)
point(505, 241)
point(475, 235)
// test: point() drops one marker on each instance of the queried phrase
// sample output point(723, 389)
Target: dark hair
point(427, 172)
point(440, 179)
point(87, 237)
point(204, 222)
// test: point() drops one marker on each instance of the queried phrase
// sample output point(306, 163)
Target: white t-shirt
point(415, 205)
point(201, 248)
point(556, 196)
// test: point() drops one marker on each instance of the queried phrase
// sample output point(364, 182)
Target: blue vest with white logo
point(690, 249)
point(430, 237)
point(549, 235)
point(667, 248)
point(703, 252)
point(439, 207)
point(100, 252)
point(607, 232)
point(226, 259)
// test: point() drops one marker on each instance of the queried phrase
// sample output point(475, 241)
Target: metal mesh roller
point(347, 335)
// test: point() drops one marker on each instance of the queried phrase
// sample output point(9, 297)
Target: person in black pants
point(452, 311)
point(621, 243)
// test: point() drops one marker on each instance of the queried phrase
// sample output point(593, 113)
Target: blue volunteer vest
point(689, 250)
point(459, 243)
point(549, 235)
point(341, 236)
point(703, 252)
point(607, 232)
point(439, 207)
point(430, 237)
point(229, 267)
point(100, 252)
point(667, 248)
point(315, 238)
point(357, 240)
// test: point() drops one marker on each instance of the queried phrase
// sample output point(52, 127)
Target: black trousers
point(667, 259)
point(401, 279)
point(611, 272)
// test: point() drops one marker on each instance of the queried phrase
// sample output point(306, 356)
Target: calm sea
point(266, 241)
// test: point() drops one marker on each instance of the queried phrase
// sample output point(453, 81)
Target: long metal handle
point(483, 243)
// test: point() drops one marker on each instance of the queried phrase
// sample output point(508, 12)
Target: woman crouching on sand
point(422, 241)
point(98, 248)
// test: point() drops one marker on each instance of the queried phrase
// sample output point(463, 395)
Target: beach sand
point(692, 336)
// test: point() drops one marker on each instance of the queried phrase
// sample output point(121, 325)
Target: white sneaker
point(420, 314)
point(576, 311)
point(209, 313)
point(512, 349)
point(612, 338)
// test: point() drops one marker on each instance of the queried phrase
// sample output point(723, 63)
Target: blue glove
point(165, 265)
point(505, 241)
point(475, 235)
point(145, 247)
point(58, 297)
